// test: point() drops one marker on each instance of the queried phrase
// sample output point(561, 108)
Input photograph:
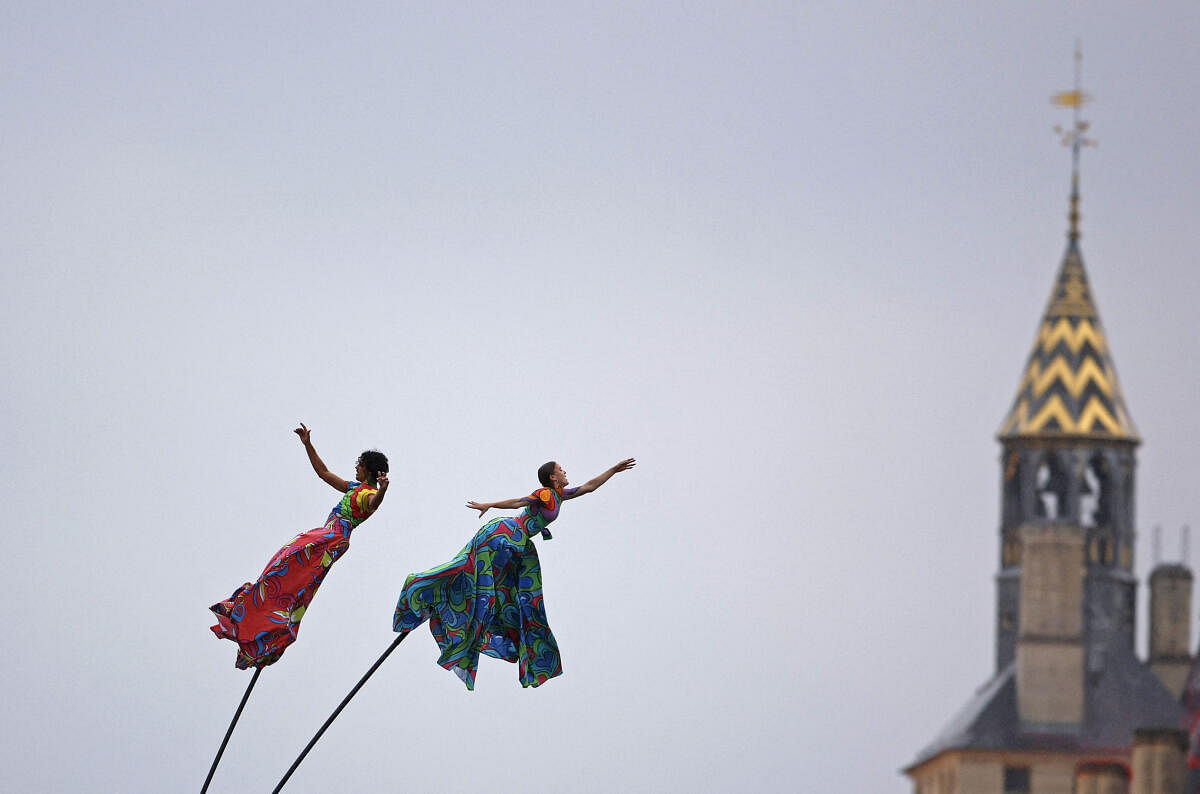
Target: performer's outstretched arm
point(319, 465)
point(599, 479)
point(507, 504)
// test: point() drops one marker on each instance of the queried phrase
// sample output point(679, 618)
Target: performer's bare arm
point(600, 479)
point(587, 487)
point(507, 504)
point(319, 465)
point(377, 498)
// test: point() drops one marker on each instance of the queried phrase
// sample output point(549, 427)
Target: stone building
point(1070, 708)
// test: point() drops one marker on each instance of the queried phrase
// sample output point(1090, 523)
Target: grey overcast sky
point(790, 256)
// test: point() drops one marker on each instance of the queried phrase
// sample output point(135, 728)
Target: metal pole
point(338, 711)
point(228, 733)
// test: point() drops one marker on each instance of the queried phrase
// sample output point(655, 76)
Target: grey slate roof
point(1122, 695)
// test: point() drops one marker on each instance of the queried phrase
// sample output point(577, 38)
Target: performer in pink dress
point(263, 616)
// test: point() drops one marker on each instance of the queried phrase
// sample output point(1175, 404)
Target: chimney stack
point(1050, 668)
point(1171, 625)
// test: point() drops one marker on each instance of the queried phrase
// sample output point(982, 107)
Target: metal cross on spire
point(1074, 136)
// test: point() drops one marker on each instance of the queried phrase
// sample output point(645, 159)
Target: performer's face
point(559, 478)
point(360, 472)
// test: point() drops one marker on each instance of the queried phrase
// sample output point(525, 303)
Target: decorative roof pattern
point(1069, 387)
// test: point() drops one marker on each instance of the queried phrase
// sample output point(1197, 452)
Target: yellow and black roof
point(1069, 387)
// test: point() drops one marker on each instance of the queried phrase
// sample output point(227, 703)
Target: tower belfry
point(1068, 697)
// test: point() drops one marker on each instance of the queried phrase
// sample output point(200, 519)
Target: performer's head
point(551, 475)
point(369, 464)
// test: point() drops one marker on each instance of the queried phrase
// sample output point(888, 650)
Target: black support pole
point(338, 710)
point(229, 732)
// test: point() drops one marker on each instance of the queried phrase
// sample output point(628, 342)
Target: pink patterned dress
point(263, 617)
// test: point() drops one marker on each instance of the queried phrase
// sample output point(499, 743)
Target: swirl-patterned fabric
point(488, 599)
point(263, 616)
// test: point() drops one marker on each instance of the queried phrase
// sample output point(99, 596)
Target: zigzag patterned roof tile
point(1069, 386)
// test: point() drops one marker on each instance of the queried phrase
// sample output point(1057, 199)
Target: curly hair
point(544, 472)
point(374, 462)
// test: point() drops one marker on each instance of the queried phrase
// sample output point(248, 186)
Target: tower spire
point(1075, 138)
point(1069, 388)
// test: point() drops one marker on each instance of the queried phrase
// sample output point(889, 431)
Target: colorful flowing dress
point(488, 599)
point(263, 617)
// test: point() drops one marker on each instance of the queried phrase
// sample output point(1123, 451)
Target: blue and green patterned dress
point(488, 599)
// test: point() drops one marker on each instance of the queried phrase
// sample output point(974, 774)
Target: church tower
point(1069, 706)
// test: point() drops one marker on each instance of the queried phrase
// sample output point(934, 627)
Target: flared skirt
point(488, 599)
point(263, 616)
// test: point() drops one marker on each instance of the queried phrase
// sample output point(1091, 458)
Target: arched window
point(1051, 489)
point(1095, 494)
point(1089, 492)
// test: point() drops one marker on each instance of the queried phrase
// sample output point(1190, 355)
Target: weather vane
point(1074, 137)
point(1074, 99)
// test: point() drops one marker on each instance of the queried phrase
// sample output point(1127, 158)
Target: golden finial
point(1074, 137)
